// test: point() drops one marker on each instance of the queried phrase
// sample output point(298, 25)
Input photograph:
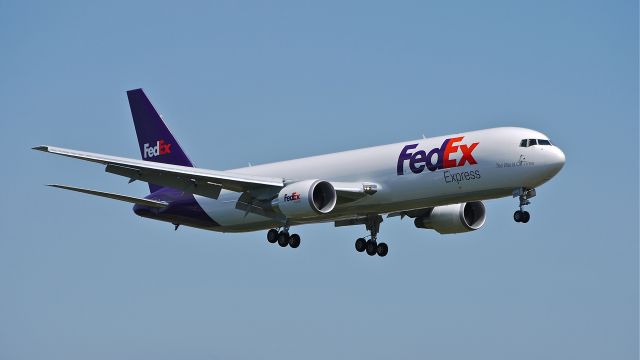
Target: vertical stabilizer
point(154, 138)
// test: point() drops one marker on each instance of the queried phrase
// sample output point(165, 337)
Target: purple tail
point(154, 138)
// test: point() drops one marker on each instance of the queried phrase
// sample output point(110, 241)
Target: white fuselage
point(494, 167)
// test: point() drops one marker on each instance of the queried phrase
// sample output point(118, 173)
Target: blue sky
point(82, 277)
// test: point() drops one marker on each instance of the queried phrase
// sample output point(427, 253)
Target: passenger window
point(523, 143)
point(533, 142)
point(544, 142)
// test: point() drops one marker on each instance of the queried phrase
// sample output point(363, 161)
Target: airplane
point(439, 182)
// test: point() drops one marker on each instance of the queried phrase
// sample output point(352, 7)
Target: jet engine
point(452, 219)
point(305, 199)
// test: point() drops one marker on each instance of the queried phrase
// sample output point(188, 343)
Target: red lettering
point(466, 154)
point(164, 148)
point(446, 162)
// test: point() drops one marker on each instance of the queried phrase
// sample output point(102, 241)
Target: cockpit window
point(531, 142)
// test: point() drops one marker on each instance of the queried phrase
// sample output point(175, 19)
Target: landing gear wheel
point(283, 239)
point(361, 245)
point(294, 241)
point(517, 216)
point(382, 249)
point(272, 236)
point(521, 216)
point(372, 247)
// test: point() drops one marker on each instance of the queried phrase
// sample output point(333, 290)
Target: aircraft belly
point(223, 210)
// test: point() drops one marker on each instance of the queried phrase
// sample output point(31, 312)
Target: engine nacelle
point(452, 219)
point(306, 199)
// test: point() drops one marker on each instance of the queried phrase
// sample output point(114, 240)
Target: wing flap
point(192, 184)
point(125, 198)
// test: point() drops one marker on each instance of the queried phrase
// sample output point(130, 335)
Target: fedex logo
point(160, 148)
point(294, 196)
point(419, 160)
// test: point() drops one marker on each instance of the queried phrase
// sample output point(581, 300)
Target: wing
point(199, 181)
point(193, 180)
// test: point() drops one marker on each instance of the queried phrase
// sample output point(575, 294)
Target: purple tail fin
point(154, 138)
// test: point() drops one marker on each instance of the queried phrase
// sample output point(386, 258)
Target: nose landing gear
point(523, 195)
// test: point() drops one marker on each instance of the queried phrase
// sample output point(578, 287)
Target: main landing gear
point(283, 238)
point(371, 246)
point(524, 195)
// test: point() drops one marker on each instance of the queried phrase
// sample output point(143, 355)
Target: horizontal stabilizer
point(129, 199)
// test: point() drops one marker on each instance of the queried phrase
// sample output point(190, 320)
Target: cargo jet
point(439, 182)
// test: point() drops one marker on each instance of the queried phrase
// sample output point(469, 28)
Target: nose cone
point(555, 161)
point(559, 158)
